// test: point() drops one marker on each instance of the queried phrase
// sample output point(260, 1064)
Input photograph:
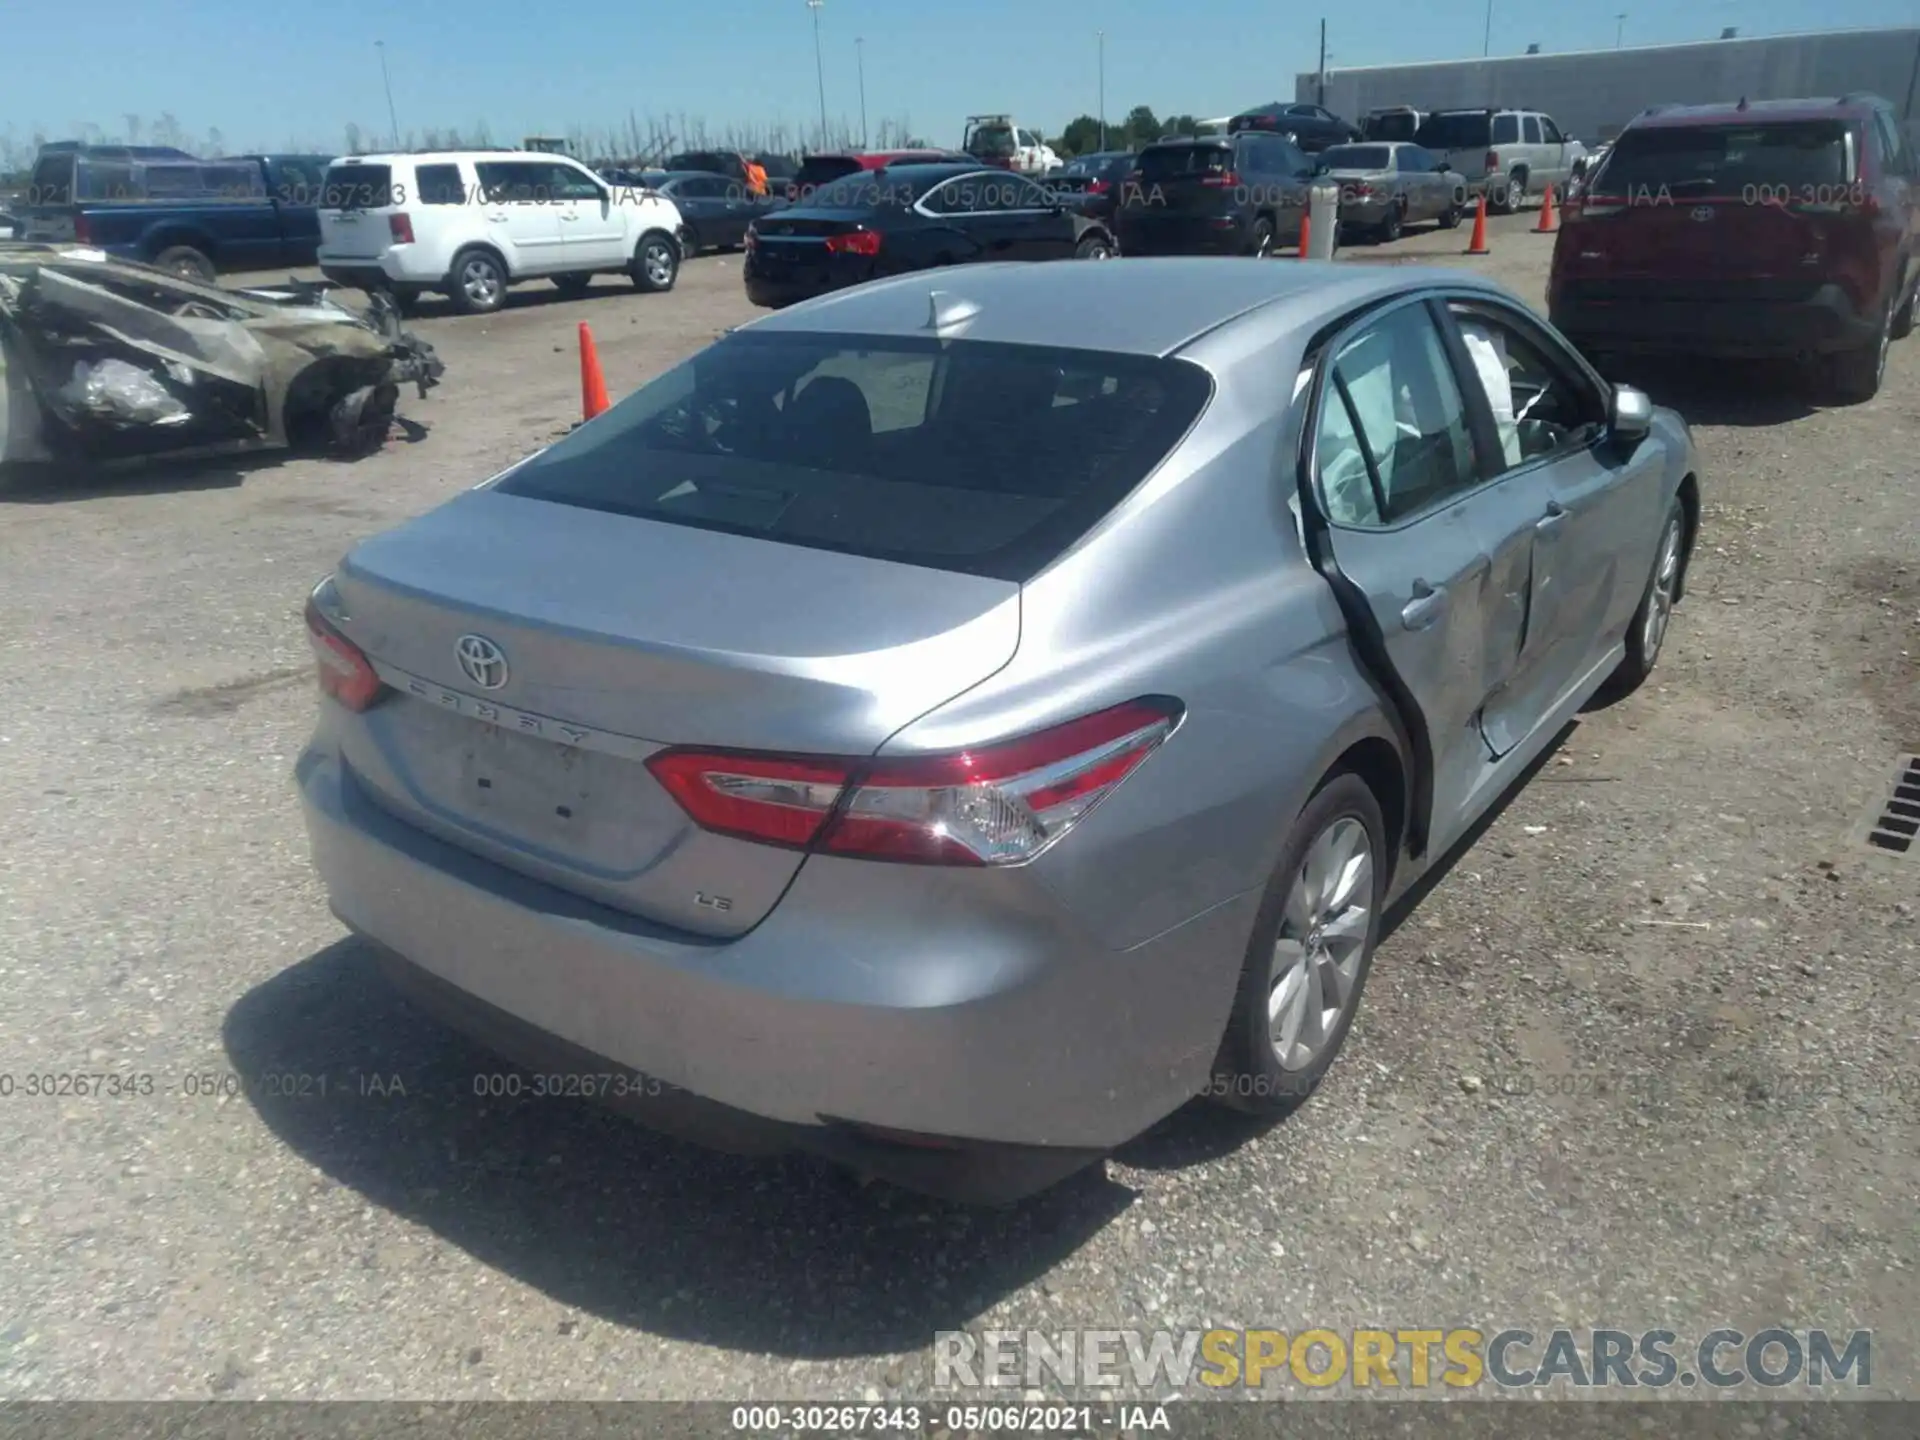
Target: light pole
point(387, 81)
point(860, 65)
point(819, 68)
point(1486, 46)
point(1619, 28)
point(1100, 37)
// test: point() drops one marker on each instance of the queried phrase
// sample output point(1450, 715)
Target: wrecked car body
point(108, 360)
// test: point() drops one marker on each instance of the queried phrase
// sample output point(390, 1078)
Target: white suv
point(469, 224)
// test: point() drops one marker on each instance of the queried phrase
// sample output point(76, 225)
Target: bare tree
point(216, 143)
point(132, 123)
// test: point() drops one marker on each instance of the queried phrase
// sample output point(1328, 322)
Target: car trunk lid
point(616, 636)
point(1185, 179)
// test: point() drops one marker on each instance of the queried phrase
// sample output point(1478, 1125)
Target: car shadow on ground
point(1738, 393)
point(786, 1256)
point(55, 484)
point(1201, 1130)
point(529, 295)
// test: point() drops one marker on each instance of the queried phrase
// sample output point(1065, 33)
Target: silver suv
point(1506, 154)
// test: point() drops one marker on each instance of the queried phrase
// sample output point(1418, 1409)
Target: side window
point(1410, 161)
point(1892, 149)
point(1014, 193)
point(1290, 159)
point(1540, 402)
point(567, 183)
point(1506, 130)
point(1393, 438)
point(1531, 129)
point(1550, 132)
point(440, 184)
point(505, 182)
point(947, 200)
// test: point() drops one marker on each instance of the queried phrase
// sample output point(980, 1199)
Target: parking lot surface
point(1645, 1056)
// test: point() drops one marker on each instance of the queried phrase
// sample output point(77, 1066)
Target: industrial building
point(1592, 94)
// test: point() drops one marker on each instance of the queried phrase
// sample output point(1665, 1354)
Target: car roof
point(443, 157)
point(1143, 306)
point(1757, 111)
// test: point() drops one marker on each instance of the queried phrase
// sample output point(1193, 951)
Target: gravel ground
point(1644, 1056)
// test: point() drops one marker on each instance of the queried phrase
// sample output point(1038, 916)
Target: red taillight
point(1492, 161)
point(345, 673)
point(1226, 179)
point(1362, 191)
point(857, 242)
point(998, 805)
point(1097, 187)
point(400, 227)
point(82, 230)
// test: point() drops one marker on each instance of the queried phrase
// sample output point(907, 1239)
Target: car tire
point(1094, 247)
point(573, 286)
point(406, 302)
point(187, 262)
point(478, 282)
point(1389, 229)
point(1262, 244)
point(656, 263)
point(1510, 195)
point(1279, 1041)
point(1853, 377)
point(1647, 635)
point(1450, 217)
point(690, 242)
point(1903, 317)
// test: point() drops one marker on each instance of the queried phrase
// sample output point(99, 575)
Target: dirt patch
point(1880, 640)
point(229, 695)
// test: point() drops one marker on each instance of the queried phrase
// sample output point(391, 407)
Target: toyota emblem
point(483, 662)
point(1703, 212)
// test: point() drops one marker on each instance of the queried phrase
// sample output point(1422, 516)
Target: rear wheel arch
point(483, 248)
point(1378, 762)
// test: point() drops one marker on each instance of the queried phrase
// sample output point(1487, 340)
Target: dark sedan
point(1311, 127)
point(1090, 184)
point(715, 212)
point(906, 218)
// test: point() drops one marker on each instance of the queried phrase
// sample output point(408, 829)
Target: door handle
point(569, 218)
point(1424, 608)
point(1552, 520)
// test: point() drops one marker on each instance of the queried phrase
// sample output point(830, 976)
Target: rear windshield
point(963, 455)
point(358, 187)
point(1161, 163)
point(1454, 132)
point(52, 182)
point(1397, 126)
point(991, 140)
point(1357, 157)
point(1781, 160)
point(819, 169)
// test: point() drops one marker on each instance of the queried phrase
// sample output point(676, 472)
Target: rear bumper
point(1728, 325)
point(865, 999)
point(1198, 235)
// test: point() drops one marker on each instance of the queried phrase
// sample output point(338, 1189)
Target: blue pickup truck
point(169, 208)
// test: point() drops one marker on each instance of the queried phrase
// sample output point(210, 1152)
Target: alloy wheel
point(1323, 939)
point(480, 281)
point(1666, 576)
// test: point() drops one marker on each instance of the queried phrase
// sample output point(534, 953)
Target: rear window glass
point(109, 180)
point(1454, 132)
point(1357, 157)
point(820, 169)
point(994, 140)
point(52, 182)
point(1397, 126)
point(963, 455)
point(440, 185)
point(358, 187)
point(1173, 162)
point(1781, 161)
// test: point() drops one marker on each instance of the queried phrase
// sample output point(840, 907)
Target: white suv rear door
point(521, 215)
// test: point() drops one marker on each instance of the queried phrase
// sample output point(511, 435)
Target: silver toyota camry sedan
point(949, 725)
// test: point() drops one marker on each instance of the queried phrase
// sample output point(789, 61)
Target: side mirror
point(1630, 415)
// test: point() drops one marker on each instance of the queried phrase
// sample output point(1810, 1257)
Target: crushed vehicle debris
point(105, 360)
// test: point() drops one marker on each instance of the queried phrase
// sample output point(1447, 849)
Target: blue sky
point(267, 76)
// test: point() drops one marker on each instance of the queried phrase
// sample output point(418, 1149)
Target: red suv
point(1778, 228)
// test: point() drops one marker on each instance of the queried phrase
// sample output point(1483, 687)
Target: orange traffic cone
point(1306, 237)
point(1547, 223)
point(1478, 244)
point(593, 385)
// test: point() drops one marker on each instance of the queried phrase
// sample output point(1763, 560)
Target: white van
point(469, 224)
